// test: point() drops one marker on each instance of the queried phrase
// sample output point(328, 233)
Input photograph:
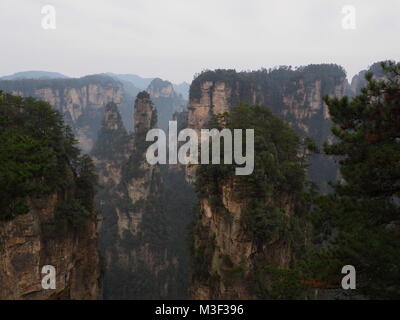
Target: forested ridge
point(38, 157)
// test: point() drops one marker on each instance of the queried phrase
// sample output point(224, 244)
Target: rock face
point(232, 257)
point(294, 95)
point(232, 260)
point(134, 235)
point(249, 228)
point(47, 212)
point(142, 180)
point(159, 88)
point(81, 101)
point(114, 149)
point(358, 81)
point(27, 246)
point(166, 101)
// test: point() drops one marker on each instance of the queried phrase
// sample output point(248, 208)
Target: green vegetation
point(38, 158)
point(201, 256)
point(278, 171)
point(360, 220)
point(278, 179)
point(278, 87)
point(159, 239)
point(143, 95)
point(271, 82)
point(270, 282)
point(358, 224)
point(88, 123)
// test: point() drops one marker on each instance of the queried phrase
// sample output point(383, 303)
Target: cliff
point(135, 241)
point(81, 101)
point(358, 81)
point(249, 228)
point(166, 101)
point(47, 206)
point(114, 147)
point(295, 95)
point(30, 242)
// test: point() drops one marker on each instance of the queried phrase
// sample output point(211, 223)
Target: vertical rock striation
point(296, 96)
point(47, 212)
point(81, 101)
point(228, 261)
point(249, 228)
point(114, 148)
point(166, 101)
point(134, 236)
point(28, 243)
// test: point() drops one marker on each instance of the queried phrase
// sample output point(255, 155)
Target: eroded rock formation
point(135, 231)
point(29, 242)
point(47, 212)
point(166, 101)
point(113, 150)
point(228, 261)
point(249, 228)
point(294, 95)
point(80, 101)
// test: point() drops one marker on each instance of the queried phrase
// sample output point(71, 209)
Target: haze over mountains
point(34, 75)
point(139, 83)
point(169, 231)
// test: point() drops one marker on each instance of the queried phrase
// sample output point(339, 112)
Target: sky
point(175, 39)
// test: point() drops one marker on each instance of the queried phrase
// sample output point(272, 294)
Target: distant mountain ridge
point(138, 81)
point(34, 75)
point(81, 101)
point(183, 89)
point(142, 83)
point(166, 100)
point(132, 82)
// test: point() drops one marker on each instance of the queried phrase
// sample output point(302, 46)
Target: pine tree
point(360, 221)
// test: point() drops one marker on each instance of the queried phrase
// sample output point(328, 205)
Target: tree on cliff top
point(278, 178)
point(37, 155)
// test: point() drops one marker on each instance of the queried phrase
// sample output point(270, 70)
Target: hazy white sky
point(174, 39)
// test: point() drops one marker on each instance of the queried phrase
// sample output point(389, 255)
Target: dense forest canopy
point(279, 173)
point(37, 156)
point(34, 84)
point(277, 162)
point(267, 79)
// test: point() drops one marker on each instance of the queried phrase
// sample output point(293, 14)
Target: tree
point(38, 157)
point(360, 220)
point(278, 178)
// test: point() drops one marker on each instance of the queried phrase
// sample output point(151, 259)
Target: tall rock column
point(113, 148)
point(139, 263)
point(249, 228)
point(166, 101)
point(142, 180)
